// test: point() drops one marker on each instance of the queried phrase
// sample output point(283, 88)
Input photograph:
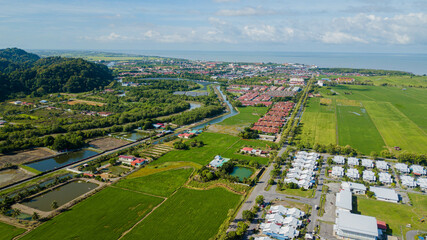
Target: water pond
point(61, 195)
point(242, 172)
point(61, 160)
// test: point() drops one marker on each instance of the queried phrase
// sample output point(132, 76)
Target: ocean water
point(415, 63)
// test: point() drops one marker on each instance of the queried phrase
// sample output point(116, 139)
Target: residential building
point(418, 170)
point(353, 173)
point(408, 181)
point(403, 168)
point(339, 160)
point(385, 178)
point(218, 162)
point(354, 226)
point(352, 161)
point(422, 182)
point(383, 165)
point(126, 159)
point(368, 163)
point(355, 188)
point(337, 171)
point(278, 209)
point(369, 176)
point(278, 232)
point(385, 194)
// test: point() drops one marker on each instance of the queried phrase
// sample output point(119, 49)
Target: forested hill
point(26, 73)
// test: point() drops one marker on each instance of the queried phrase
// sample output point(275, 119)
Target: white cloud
point(247, 11)
point(340, 37)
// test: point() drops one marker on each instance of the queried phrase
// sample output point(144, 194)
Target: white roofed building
point(278, 209)
point(339, 160)
point(354, 226)
point(385, 178)
point(352, 161)
point(422, 182)
point(408, 181)
point(403, 168)
point(352, 173)
point(385, 194)
point(337, 171)
point(383, 165)
point(418, 170)
point(355, 188)
point(343, 201)
point(368, 163)
point(369, 176)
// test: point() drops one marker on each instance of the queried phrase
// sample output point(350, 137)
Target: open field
point(9, 176)
point(191, 214)
point(291, 204)
point(246, 116)
point(152, 169)
point(216, 144)
point(25, 156)
point(399, 81)
point(8, 232)
point(356, 128)
point(78, 101)
point(396, 215)
point(107, 143)
point(160, 184)
point(106, 215)
point(368, 118)
point(298, 192)
point(319, 122)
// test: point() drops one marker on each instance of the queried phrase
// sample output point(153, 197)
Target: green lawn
point(8, 232)
point(216, 144)
point(401, 81)
point(189, 214)
point(161, 184)
point(298, 192)
point(246, 116)
point(106, 215)
point(396, 215)
point(356, 128)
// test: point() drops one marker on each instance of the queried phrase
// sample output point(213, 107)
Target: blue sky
point(230, 25)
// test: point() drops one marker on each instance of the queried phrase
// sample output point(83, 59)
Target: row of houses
point(189, 134)
point(274, 119)
point(415, 169)
point(411, 182)
point(303, 169)
point(383, 194)
point(367, 175)
point(282, 223)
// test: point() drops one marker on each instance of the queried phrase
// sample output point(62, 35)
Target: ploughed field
point(368, 118)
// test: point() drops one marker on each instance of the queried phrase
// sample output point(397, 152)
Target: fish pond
point(61, 160)
point(242, 172)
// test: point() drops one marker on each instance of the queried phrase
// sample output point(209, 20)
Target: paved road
point(410, 235)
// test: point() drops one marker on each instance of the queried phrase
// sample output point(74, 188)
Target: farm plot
point(8, 232)
point(191, 214)
point(107, 143)
point(215, 144)
point(92, 103)
point(161, 184)
point(319, 122)
point(246, 116)
point(106, 215)
point(355, 128)
point(395, 128)
point(156, 151)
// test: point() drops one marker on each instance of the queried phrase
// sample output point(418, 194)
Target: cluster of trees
point(248, 133)
point(206, 174)
point(197, 114)
point(403, 156)
point(26, 73)
point(68, 141)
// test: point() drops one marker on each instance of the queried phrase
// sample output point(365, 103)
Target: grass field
point(105, 215)
point(188, 214)
point(8, 232)
point(402, 81)
point(152, 169)
point(298, 192)
point(368, 118)
point(216, 144)
point(246, 116)
point(161, 184)
point(396, 215)
point(356, 128)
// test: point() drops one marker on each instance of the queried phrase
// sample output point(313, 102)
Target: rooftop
point(357, 223)
point(385, 193)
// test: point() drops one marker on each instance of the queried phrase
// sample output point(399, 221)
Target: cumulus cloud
point(247, 11)
point(340, 37)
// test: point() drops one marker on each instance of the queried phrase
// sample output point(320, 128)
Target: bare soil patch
point(9, 176)
point(25, 156)
point(78, 101)
point(107, 143)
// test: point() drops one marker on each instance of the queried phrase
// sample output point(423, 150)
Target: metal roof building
point(383, 165)
point(354, 226)
point(343, 201)
point(408, 181)
point(385, 178)
point(355, 188)
point(369, 176)
point(352, 173)
point(402, 167)
point(337, 171)
point(385, 194)
point(367, 163)
point(339, 159)
point(352, 161)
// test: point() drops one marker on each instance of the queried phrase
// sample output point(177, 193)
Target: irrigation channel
point(73, 159)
